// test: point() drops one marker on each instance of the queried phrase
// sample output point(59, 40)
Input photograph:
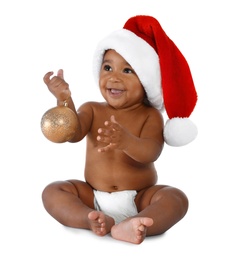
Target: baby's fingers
point(60, 73)
point(104, 139)
point(106, 148)
point(47, 76)
point(112, 124)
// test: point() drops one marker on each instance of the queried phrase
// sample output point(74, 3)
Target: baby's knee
point(54, 189)
point(174, 197)
point(180, 197)
point(50, 191)
point(47, 192)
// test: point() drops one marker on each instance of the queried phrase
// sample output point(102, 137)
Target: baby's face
point(119, 84)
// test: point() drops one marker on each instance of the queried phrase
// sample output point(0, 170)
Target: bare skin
point(124, 139)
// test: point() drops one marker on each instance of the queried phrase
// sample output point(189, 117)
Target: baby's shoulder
point(153, 111)
point(154, 115)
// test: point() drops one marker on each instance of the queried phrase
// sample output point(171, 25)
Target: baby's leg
point(69, 202)
point(100, 223)
point(132, 230)
point(165, 205)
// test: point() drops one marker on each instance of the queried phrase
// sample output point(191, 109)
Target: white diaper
point(119, 205)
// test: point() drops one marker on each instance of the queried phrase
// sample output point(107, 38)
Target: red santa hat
point(162, 70)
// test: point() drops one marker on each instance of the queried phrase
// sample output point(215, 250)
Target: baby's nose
point(115, 77)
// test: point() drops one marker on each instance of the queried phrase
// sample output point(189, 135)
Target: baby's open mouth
point(115, 91)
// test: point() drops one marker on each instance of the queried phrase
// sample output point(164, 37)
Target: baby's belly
point(111, 181)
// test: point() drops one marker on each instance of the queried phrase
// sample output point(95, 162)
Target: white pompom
point(179, 131)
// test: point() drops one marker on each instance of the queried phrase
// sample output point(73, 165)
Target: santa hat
point(162, 70)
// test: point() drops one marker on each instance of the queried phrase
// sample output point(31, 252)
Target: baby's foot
point(132, 230)
point(100, 223)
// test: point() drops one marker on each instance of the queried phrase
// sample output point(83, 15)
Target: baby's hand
point(57, 85)
point(114, 135)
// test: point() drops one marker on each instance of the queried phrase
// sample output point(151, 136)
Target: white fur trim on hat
point(179, 131)
point(141, 57)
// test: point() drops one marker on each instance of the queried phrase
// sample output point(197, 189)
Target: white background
point(39, 36)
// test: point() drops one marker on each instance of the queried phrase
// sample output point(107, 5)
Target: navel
point(115, 187)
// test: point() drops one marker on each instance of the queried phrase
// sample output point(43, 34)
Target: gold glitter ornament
point(59, 124)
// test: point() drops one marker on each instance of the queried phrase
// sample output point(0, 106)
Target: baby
point(125, 136)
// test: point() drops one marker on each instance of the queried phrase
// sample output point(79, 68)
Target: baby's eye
point(107, 68)
point(128, 70)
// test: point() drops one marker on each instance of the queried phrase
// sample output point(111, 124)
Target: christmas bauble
point(59, 124)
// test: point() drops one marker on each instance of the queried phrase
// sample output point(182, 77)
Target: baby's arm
point(143, 150)
point(59, 88)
